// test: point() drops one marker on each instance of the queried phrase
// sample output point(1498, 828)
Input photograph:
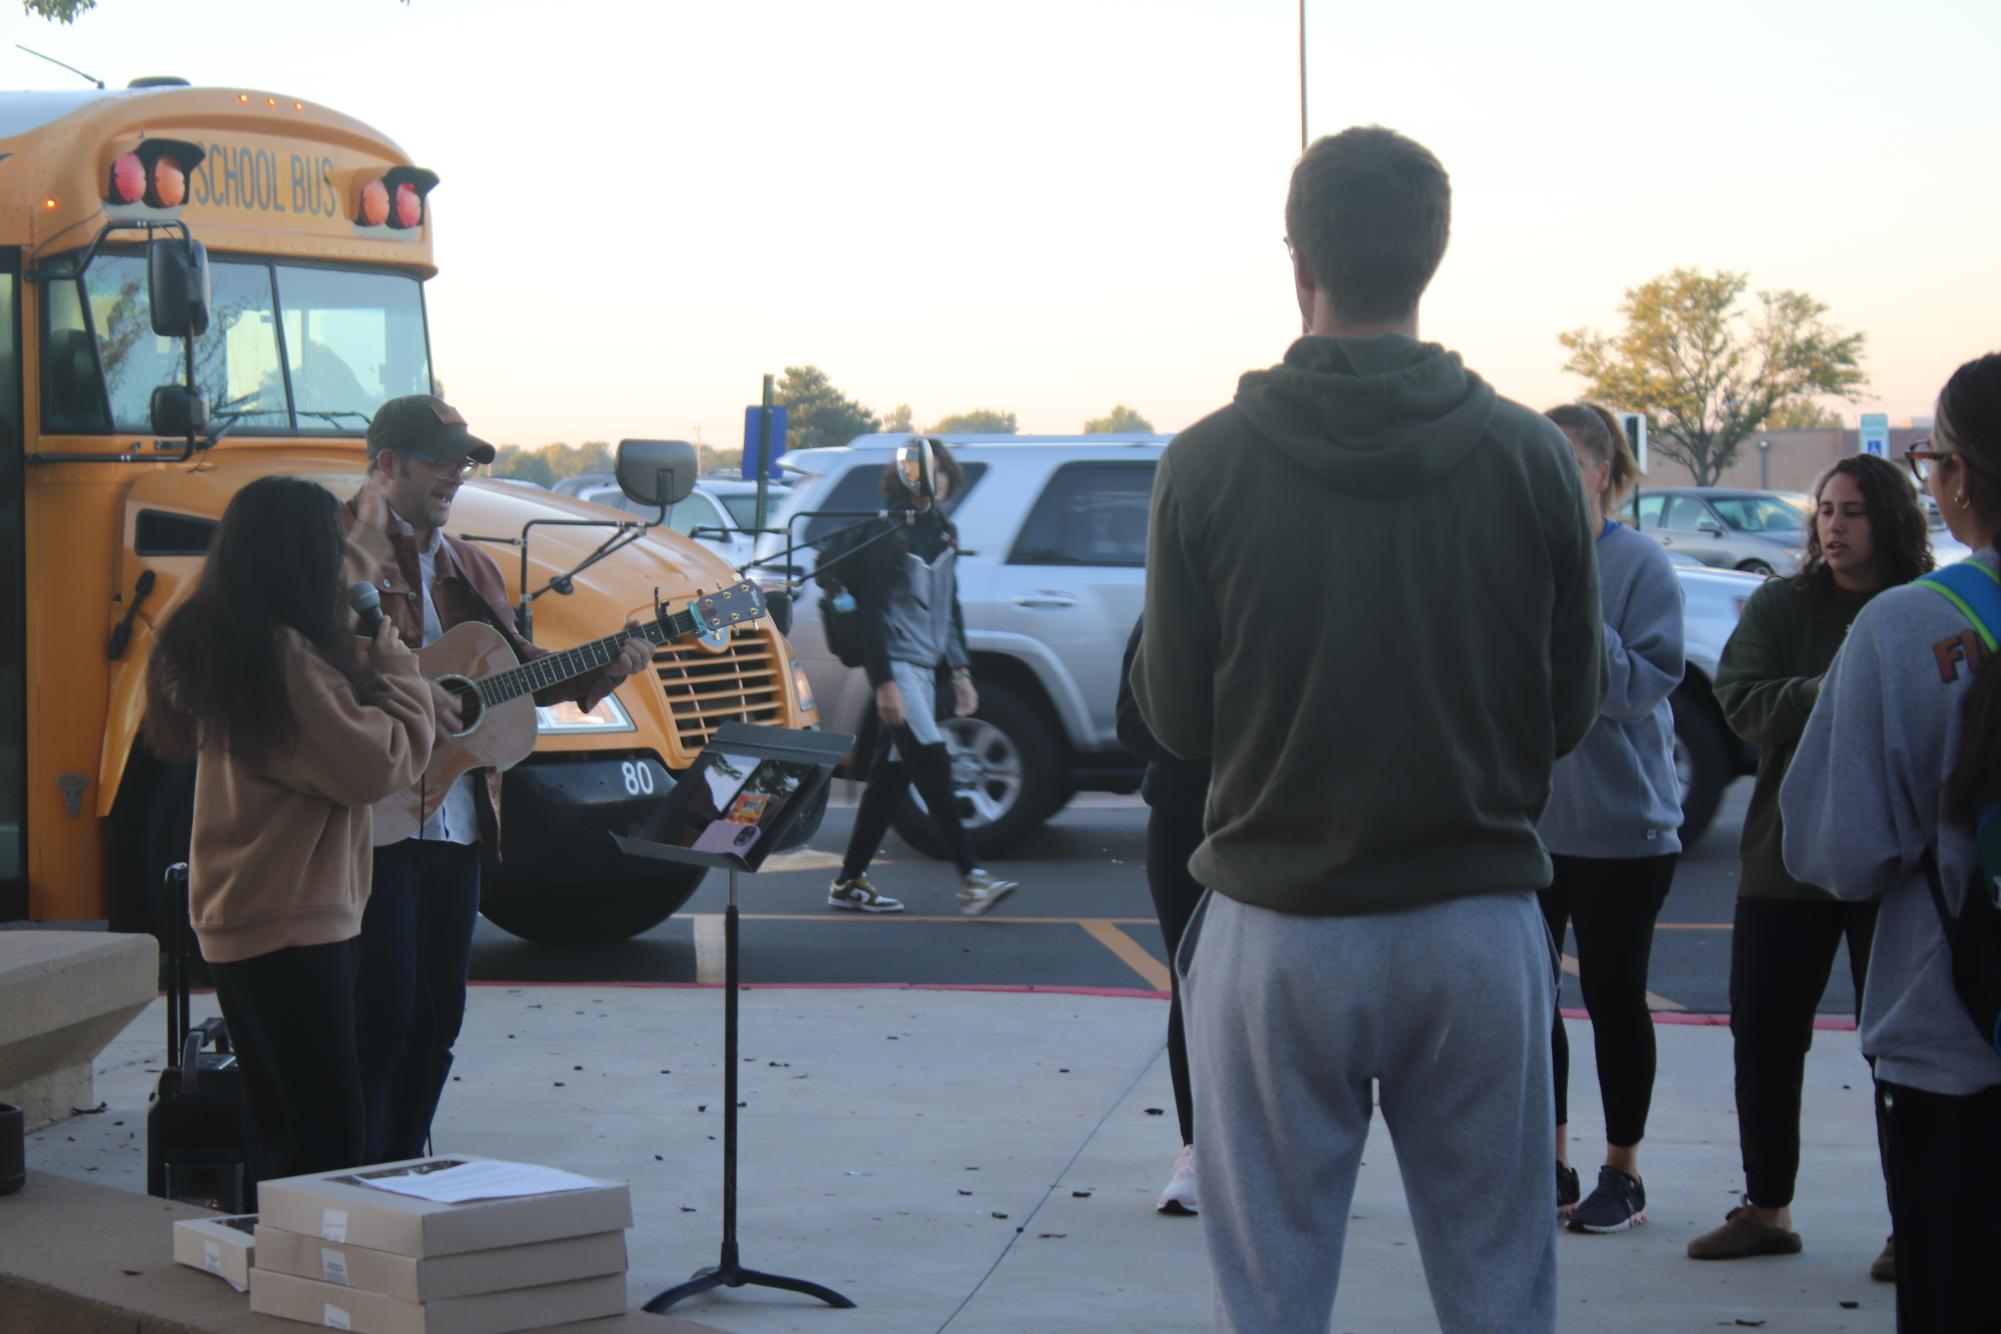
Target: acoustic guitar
point(495, 693)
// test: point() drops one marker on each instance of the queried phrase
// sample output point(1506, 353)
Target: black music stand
point(748, 788)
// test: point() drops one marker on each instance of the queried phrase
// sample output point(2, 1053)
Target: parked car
point(1052, 533)
point(717, 514)
point(1759, 532)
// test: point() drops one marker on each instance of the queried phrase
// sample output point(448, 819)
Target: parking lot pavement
point(985, 1163)
point(1082, 919)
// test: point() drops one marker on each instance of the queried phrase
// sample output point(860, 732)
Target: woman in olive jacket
point(1867, 534)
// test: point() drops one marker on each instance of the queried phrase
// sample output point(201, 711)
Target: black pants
point(1944, 1157)
point(1611, 903)
point(1780, 956)
point(889, 777)
point(416, 943)
point(291, 1022)
point(1173, 832)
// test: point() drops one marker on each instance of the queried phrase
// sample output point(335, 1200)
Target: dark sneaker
point(1884, 1270)
point(1741, 1237)
point(1568, 1190)
point(1618, 1203)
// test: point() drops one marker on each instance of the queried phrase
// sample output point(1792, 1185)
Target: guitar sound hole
point(470, 707)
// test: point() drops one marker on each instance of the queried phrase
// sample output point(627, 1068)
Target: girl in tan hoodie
point(297, 728)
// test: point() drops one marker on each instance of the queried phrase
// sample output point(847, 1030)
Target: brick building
point(1794, 462)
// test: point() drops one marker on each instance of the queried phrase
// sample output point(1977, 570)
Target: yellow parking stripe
point(1106, 932)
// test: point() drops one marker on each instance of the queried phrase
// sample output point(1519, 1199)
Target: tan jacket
point(281, 851)
point(469, 588)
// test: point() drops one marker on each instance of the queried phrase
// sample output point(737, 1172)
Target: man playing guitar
point(416, 934)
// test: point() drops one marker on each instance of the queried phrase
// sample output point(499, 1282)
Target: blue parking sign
point(1876, 434)
point(750, 431)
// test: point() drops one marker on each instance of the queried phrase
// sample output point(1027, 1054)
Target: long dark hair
point(1969, 426)
point(275, 564)
point(1897, 532)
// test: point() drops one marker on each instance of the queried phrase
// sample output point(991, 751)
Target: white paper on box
point(333, 1266)
point(481, 1179)
point(333, 1224)
point(337, 1318)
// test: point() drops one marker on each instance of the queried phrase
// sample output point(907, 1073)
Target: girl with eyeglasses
point(1901, 755)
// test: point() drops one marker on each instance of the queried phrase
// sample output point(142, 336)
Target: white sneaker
point(858, 895)
point(979, 892)
point(1179, 1196)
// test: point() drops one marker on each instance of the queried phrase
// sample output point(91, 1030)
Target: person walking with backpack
point(913, 641)
point(1867, 535)
point(1890, 802)
point(1612, 829)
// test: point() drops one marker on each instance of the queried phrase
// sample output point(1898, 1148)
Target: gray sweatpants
point(1289, 1020)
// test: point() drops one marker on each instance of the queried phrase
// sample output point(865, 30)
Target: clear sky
point(1052, 206)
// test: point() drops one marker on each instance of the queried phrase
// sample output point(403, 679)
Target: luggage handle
point(177, 933)
point(210, 1030)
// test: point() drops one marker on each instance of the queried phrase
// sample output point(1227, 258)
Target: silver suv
point(1052, 533)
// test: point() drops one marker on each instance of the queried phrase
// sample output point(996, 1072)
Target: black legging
point(1781, 954)
point(1611, 902)
point(1172, 835)
point(889, 777)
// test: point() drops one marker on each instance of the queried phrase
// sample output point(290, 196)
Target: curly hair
point(1897, 531)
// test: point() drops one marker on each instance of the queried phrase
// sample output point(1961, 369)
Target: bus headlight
point(567, 719)
point(804, 687)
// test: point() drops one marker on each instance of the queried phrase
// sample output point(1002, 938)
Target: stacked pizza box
point(453, 1245)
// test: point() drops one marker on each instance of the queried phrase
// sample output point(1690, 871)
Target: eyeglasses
point(1920, 457)
point(442, 467)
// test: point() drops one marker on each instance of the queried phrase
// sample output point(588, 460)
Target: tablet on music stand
point(746, 791)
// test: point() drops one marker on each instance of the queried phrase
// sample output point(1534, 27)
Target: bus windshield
point(288, 348)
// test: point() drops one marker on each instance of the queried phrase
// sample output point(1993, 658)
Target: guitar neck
point(555, 668)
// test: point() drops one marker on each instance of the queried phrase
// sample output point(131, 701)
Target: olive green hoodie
point(1372, 600)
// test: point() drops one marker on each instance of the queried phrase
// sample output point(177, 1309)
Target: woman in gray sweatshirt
point(1902, 749)
point(1611, 828)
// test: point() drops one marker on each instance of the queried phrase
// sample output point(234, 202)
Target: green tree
point(818, 414)
point(980, 421)
point(898, 419)
point(1803, 414)
point(1120, 420)
point(523, 464)
point(1708, 374)
point(62, 11)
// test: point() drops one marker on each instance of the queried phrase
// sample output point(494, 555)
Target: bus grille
point(705, 690)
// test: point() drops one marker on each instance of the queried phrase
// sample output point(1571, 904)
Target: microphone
point(367, 604)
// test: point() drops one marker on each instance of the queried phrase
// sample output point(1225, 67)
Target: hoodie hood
point(1374, 416)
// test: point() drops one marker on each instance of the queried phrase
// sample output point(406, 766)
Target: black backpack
point(839, 572)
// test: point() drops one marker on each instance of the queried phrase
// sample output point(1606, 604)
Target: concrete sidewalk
point(986, 1163)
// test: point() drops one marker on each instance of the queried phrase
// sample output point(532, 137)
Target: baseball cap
point(425, 424)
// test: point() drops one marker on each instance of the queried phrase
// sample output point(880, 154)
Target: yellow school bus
point(315, 235)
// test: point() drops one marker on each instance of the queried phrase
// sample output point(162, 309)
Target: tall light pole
point(1764, 465)
point(1302, 76)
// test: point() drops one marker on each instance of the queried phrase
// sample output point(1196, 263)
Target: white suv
point(1052, 571)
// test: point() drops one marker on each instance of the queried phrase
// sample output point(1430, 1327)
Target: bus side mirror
point(917, 466)
point(179, 411)
point(642, 463)
point(177, 286)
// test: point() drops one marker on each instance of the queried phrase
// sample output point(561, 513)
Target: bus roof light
point(170, 183)
point(409, 206)
point(128, 179)
point(374, 204)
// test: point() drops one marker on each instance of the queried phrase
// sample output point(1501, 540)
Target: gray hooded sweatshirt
point(1371, 599)
point(1862, 802)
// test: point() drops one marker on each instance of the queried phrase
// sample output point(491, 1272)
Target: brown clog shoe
point(1741, 1237)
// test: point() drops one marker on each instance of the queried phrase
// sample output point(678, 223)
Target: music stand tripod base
point(822, 750)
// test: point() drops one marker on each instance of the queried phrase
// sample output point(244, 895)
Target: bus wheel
point(600, 912)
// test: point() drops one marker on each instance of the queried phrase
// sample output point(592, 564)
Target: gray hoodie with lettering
point(1861, 804)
